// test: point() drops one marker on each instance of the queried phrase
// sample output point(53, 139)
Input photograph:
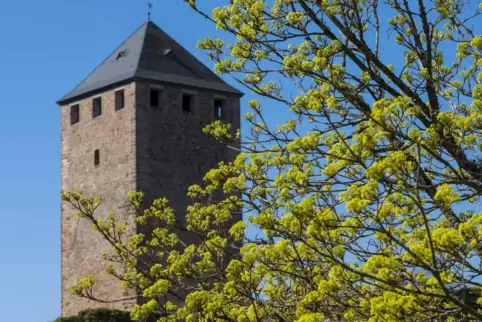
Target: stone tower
point(135, 124)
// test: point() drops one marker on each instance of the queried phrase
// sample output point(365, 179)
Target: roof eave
point(72, 98)
point(67, 99)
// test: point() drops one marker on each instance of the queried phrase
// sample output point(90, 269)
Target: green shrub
point(98, 315)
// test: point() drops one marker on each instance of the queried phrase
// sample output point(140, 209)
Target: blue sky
point(46, 48)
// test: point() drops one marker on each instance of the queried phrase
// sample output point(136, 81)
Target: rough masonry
point(159, 150)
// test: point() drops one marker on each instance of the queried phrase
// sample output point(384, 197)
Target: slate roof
point(149, 54)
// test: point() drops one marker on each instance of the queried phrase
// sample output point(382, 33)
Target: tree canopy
point(366, 200)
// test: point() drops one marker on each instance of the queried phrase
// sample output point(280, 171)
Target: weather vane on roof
point(149, 7)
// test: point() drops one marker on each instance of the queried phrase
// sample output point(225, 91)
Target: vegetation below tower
point(97, 315)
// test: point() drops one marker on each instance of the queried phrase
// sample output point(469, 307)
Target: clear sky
point(46, 48)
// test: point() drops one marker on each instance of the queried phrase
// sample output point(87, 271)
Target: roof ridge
point(108, 56)
point(188, 53)
point(146, 56)
point(143, 45)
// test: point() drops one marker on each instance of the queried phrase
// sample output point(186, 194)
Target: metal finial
point(149, 7)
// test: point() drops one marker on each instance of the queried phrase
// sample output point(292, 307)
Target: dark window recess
point(119, 100)
point(96, 107)
point(218, 109)
point(96, 157)
point(154, 98)
point(74, 114)
point(186, 103)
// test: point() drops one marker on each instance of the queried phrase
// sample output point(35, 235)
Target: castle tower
point(135, 124)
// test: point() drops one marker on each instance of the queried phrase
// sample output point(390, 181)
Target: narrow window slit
point(74, 114)
point(186, 103)
point(119, 100)
point(96, 157)
point(154, 98)
point(218, 109)
point(96, 107)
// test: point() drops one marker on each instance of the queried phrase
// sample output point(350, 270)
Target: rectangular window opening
point(74, 114)
point(96, 157)
point(155, 98)
point(218, 109)
point(119, 100)
point(96, 107)
point(186, 103)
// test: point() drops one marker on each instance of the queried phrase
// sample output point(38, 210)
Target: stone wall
point(173, 153)
point(113, 133)
point(159, 151)
point(172, 150)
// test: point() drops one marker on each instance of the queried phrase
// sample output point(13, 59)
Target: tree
point(367, 197)
point(97, 315)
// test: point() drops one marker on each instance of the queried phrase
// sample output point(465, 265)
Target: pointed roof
point(149, 54)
